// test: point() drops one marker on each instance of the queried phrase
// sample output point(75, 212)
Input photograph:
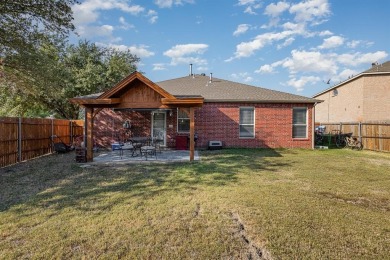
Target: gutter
point(314, 101)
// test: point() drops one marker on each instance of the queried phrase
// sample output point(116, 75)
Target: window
point(299, 122)
point(183, 122)
point(247, 122)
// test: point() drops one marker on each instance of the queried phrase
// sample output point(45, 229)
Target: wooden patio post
point(89, 139)
point(192, 133)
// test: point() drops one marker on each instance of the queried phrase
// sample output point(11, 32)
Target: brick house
point(206, 108)
point(364, 97)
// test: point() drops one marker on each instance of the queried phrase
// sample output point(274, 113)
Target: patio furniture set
point(139, 146)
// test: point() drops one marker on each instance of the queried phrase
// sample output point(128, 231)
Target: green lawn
point(233, 204)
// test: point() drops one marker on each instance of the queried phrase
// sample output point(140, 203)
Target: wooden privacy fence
point(25, 138)
point(373, 135)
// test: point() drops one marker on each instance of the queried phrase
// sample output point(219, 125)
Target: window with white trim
point(299, 124)
point(247, 122)
point(183, 122)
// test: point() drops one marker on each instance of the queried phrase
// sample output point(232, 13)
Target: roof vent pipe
point(211, 77)
point(191, 69)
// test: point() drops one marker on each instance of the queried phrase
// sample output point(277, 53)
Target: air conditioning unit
point(215, 145)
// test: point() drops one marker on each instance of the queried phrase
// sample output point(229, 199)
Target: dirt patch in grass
point(253, 251)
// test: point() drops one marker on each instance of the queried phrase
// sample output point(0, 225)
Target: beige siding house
point(364, 97)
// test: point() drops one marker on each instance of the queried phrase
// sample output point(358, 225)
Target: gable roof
point(124, 84)
point(219, 90)
point(113, 96)
point(376, 69)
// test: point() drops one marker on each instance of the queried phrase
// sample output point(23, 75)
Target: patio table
point(139, 141)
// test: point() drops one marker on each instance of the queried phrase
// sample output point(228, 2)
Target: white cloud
point(125, 25)
point(102, 31)
point(286, 43)
point(251, 6)
point(242, 28)
point(202, 68)
point(159, 66)
point(242, 76)
point(306, 67)
point(353, 44)
point(247, 49)
point(301, 82)
point(343, 75)
point(265, 69)
point(332, 42)
point(274, 10)
point(249, 10)
point(310, 10)
point(356, 59)
point(152, 16)
point(87, 13)
point(140, 51)
point(246, 2)
point(187, 53)
point(170, 3)
point(325, 33)
point(310, 61)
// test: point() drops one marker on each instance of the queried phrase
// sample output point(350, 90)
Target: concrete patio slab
point(164, 156)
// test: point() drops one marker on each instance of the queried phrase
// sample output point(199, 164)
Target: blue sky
point(292, 46)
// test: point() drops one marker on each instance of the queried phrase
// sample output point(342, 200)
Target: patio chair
point(129, 147)
point(156, 142)
point(148, 150)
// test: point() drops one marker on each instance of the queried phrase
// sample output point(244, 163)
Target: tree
point(23, 23)
point(44, 79)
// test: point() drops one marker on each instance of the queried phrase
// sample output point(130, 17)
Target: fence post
point(51, 136)
point(20, 140)
point(360, 132)
point(340, 127)
point(71, 131)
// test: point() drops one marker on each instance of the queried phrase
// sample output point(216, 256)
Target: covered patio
point(137, 93)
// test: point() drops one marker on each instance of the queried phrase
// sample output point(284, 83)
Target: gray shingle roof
point(384, 67)
point(220, 90)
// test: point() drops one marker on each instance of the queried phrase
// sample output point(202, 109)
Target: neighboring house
point(236, 114)
point(364, 97)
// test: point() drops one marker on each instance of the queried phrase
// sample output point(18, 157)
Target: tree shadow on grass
point(57, 182)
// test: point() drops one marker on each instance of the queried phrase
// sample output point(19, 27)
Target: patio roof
point(136, 92)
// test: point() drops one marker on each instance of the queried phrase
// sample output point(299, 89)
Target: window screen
point(299, 122)
point(183, 122)
point(247, 122)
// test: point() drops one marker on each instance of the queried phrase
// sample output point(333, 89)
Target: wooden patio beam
point(192, 133)
point(89, 131)
point(90, 101)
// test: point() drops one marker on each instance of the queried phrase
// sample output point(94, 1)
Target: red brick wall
point(108, 126)
point(213, 121)
point(273, 125)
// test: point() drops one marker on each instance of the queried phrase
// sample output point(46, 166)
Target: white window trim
point(254, 123)
point(177, 123)
point(307, 123)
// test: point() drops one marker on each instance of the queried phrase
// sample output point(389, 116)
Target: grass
point(238, 203)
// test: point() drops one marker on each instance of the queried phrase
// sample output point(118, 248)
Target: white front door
point(159, 126)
